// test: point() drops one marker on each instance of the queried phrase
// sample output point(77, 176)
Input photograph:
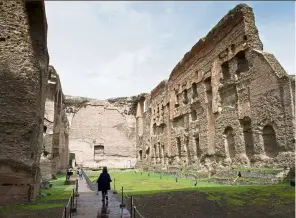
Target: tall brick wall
point(226, 103)
point(55, 151)
point(23, 73)
point(106, 125)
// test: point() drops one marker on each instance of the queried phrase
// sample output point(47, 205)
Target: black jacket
point(104, 182)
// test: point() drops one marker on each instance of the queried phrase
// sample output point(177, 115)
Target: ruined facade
point(55, 150)
point(26, 83)
point(226, 103)
point(23, 76)
point(102, 133)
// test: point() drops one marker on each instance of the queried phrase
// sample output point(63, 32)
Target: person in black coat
point(104, 183)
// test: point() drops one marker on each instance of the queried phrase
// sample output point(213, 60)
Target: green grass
point(54, 195)
point(136, 183)
point(35, 206)
point(59, 190)
point(238, 195)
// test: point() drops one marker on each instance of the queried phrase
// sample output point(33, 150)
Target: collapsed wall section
point(23, 73)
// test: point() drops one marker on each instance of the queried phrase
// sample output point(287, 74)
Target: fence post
point(122, 204)
point(132, 206)
point(65, 212)
point(114, 191)
point(76, 189)
point(73, 208)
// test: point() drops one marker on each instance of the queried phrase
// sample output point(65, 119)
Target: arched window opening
point(162, 153)
point(229, 142)
point(225, 71)
point(147, 152)
point(270, 143)
point(179, 147)
point(193, 115)
point(98, 151)
point(176, 99)
point(197, 147)
point(208, 87)
point(248, 136)
point(44, 129)
point(242, 62)
point(185, 97)
point(194, 90)
point(154, 129)
point(140, 155)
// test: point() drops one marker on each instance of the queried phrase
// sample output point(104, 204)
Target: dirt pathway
point(89, 204)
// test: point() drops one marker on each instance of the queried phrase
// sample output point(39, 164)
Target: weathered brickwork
point(26, 83)
point(55, 151)
point(102, 133)
point(23, 75)
point(226, 103)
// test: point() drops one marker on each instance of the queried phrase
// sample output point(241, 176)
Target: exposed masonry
point(226, 103)
point(55, 149)
point(30, 103)
point(102, 133)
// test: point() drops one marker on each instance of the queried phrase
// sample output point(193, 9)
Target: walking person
point(104, 183)
point(80, 173)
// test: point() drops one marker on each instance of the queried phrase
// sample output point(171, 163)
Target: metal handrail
point(71, 205)
point(135, 211)
point(133, 208)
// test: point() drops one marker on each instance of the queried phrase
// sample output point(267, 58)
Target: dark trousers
point(104, 194)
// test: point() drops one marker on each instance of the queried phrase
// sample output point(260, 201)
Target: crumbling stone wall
point(55, 155)
point(23, 73)
point(226, 103)
point(102, 133)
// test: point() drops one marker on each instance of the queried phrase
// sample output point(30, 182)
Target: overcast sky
point(113, 49)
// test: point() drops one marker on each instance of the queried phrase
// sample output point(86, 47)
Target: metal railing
point(133, 209)
point(71, 205)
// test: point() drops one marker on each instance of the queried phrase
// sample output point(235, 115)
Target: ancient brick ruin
point(102, 133)
point(226, 103)
point(55, 150)
point(26, 83)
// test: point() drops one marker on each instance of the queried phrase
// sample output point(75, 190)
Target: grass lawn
point(56, 197)
point(140, 183)
point(137, 183)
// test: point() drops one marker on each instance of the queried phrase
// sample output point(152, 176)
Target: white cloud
point(110, 49)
